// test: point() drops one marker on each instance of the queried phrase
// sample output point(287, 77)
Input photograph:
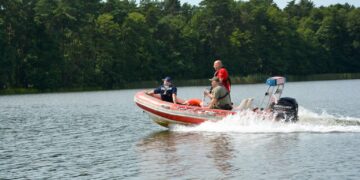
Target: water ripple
point(103, 135)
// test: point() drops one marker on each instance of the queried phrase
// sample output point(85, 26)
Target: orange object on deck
point(194, 102)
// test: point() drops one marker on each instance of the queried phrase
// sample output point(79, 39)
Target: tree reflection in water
point(179, 154)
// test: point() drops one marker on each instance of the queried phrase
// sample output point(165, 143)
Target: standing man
point(222, 74)
point(167, 91)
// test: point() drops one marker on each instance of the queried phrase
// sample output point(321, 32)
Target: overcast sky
point(283, 3)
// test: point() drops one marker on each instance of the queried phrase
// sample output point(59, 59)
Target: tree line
point(54, 44)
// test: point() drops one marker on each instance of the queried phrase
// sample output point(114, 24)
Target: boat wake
point(250, 122)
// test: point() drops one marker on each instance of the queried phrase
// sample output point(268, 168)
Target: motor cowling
point(286, 109)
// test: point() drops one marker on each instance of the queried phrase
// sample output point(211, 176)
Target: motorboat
point(190, 112)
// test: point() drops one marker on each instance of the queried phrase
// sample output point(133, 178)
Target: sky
point(283, 3)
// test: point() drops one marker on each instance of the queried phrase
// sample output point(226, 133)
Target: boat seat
point(245, 104)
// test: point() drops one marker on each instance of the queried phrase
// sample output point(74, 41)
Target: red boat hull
point(166, 114)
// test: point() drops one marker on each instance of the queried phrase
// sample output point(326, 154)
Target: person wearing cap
point(167, 90)
point(222, 74)
point(220, 98)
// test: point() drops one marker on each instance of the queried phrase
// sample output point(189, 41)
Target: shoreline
point(250, 79)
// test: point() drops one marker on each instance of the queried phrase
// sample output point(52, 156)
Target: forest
point(59, 44)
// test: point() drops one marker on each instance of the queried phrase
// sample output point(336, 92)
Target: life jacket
point(222, 97)
point(228, 80)
point(166, 93)
point(225, 106)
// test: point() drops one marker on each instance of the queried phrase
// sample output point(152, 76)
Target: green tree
point(4, 74)
point(299, 10)
point(136, 39)
point(107, 51)
point(334, 38)
point(49, 45)
point(353, 28)
point(172, 6)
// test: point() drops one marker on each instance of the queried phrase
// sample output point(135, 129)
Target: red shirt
point(224, 75)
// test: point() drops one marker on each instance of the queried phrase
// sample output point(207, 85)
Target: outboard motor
point(286, 109)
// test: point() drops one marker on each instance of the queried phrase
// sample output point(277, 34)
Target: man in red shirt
point(222, 74)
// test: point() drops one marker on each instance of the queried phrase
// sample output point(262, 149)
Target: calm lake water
point(104, 135)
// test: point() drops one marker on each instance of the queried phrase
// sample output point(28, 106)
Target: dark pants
point(226, 107)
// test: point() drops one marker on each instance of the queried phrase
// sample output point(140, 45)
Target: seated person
point(167, 91)
point(220, 98)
